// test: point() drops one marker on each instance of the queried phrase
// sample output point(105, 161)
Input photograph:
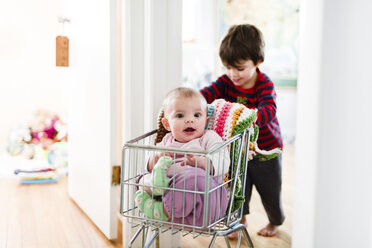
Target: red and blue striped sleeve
point(214, 91)
point(266, 107)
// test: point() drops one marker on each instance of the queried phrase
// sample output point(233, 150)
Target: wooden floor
point(44, 216)
point(38, 216)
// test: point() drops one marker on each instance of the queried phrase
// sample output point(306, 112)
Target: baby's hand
point(195, 161)
point(155, 157)
point(170, 154)
point(190, 160)
point(163, 154)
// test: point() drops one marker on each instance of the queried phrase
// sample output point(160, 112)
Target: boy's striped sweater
point(261, 97)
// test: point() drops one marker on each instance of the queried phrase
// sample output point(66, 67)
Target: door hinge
point(116, 169)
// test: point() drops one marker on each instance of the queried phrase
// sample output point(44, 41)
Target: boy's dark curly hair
point(242, 42)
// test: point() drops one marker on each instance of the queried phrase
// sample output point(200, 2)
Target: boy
point(241, 52)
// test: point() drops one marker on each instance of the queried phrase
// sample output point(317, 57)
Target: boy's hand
point(255, 119)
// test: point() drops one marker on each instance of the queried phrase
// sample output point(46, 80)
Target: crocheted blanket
point(228, 119)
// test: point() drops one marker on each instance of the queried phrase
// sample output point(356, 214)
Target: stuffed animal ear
point(161, 129)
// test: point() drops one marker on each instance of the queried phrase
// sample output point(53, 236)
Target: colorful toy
point(45, 138)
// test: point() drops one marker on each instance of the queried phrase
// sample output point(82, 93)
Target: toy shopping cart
point(199, 202)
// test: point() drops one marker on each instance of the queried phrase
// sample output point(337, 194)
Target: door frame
point(151, 66)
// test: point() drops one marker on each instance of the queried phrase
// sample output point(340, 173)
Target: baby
point(185, 117)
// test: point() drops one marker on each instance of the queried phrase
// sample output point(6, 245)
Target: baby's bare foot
point(269, 230)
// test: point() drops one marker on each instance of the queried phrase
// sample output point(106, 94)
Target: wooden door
point(94, 139)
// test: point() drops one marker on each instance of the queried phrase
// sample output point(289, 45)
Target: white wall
point(29, 78)
point(199, 57)
point(286, 102)
point(333, 206)
point(344, 177)
point(152, 58)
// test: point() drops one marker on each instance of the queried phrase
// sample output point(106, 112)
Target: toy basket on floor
point(216, 219)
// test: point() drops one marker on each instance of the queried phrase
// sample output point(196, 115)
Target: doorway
point(204, 25)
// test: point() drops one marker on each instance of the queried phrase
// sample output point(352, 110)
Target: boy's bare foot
point(269, 230)
point(235, 235)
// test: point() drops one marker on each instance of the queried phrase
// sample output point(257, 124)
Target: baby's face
point(186, 118)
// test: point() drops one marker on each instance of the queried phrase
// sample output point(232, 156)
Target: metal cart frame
point(133, 157)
